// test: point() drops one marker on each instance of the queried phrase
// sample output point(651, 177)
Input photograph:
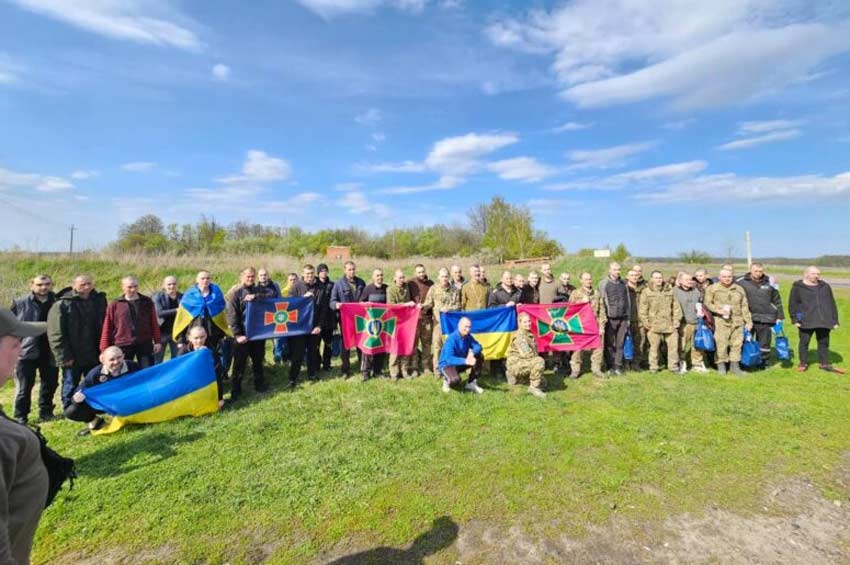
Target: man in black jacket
point(166, 302)
point(300, 345)
point(347, 289)
point(765, 306)
point(505, 294)
point(616, 301)
point(376, 291)
point(329, 320)
point(813, 310)
point(74, 325)
point(35, 353)
point(243, 349)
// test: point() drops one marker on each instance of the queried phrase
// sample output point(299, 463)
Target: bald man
point(131, 324)
point(166, 302)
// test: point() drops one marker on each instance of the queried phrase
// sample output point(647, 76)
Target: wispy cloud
point(221, 72)
point(260, 167)
point(768, 126)
point(356, 202)
point(10, 70)
point(636, 177)
point(42, 183)
point(371, 117)
point(333, 8)
point(733, 188)
point(607, 157)
point(403, 167)
point(759, 140)
point(155, 23)
point(524, 169)
point(572, 126)
point(772, 130)
point(695, 54)
point(83, 175)
point(139, 166)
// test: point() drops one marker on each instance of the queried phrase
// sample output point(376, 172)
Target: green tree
point(620, 253)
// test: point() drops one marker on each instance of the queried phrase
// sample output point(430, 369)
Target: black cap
point(322, 267)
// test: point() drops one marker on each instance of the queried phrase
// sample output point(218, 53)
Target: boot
point(735, 367)
point(721, 368)
point(536, 392)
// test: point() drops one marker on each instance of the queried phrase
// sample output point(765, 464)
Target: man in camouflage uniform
point(586, 293)
point(399, 293)
point(419, 287)
point(660, 314)
point(456, 277)
point(473, 295)
point(523, 360)
point(728, 302)
point(442, 297)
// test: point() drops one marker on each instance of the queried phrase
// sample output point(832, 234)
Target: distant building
point(339, 253)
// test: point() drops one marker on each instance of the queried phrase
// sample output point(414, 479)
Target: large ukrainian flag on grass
point(184, 386)
point(493, 328)
point(194, 304)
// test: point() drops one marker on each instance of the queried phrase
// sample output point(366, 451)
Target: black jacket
point(616, 298)
point(163, 312)
point(236, 305)
point(499, 296)
point(344, 292)
point(374, 293)
point(812, 306)
point(321, 300)
point(29, 309)
point(74, 326)
point(764, 300)
point(329, 319)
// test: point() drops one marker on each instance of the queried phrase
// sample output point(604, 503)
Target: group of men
point(659, 315)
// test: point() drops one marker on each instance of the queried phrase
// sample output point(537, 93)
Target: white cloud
point(221, 72)
point(572, 126)
point(252, 199)
point(371, 117)
point(403, 167)
point(745, 128)
point(156, 23)
point(459, 156)
point(332, 8)
point(524, 169)
point(345, 186)
point(760, 140)
point(260, 167)
point(678, 125)
point(10, 71)
point(139, 166)
point(733, 188)
point(10, 180)
point(608, 157)
point(443, 183)
point(83, 175)
point(697, 54)
point(637, 177)
point(357, 203)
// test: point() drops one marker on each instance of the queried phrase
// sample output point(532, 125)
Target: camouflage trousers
point(729, 338)
point(672, 341)
point(436, 344)
point(531, 369)
point(686, 344)
point(422, 353)
point(401, 366)
point(595, 360)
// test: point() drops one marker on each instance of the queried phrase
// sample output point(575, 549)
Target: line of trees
point(497, 230)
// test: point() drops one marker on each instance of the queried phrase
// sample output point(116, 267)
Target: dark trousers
point(372, 365)
point(141, 354)
point(25, 381)
point(81, 412)
point(300, 347)
point(615, 335)
point(327, 339)
point(169, 344)
point(452, 373)
point(345, 359)
point(225, 349)
point(764, 334)
point(823, 345)
point(71, 377)
point(256, 350)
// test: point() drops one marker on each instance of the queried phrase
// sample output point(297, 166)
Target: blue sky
point(667, 125)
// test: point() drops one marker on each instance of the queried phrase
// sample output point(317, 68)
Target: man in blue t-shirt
point(461, 352)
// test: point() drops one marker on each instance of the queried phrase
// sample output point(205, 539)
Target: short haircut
point(583, 273)
point(349, 263)
point(193, 329)
point(308, 267)
point(475, 266)
point(631, 272)
point(700, 271)
point(757, 264)
point(41, 278)
point(523, 315)
point(398, 272)
point(652, 274)
point(420, 265)
point(112, 349)
point(613, 264)
point(129, 279)
point(725, 270)
point(83, 276)
point(442, 271)
point(247, 270)
point(292, 275)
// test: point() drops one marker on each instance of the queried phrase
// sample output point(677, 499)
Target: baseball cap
point(11, 325)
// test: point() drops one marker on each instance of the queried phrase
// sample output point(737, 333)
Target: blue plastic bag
point(750, 351)
point(629, 347)
point(703, 338)
point(783, 348)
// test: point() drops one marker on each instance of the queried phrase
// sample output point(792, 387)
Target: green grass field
point(339, 466)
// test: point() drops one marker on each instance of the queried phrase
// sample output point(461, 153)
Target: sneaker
point(721, 368)
point(21, 420)
point(653, 371)
point(412, 375)
point(446, 387)
point(364, 377)
point(575, 375)
point(618, 372)
point(599, 374)
point(682, 370)
point(801, 368)
point(699, 368)
point(832, 369)
point(313, 378)
point(46, 417)
point(736, 369)
point(292, 384)
point(536, 392)
point(473, 387)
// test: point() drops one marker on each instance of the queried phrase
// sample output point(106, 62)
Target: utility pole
point(749, 249)
point(71, 247)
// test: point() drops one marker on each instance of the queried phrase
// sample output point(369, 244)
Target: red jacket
point(119, 329)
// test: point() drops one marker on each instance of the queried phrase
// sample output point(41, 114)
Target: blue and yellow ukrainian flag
point(493, 328)
point(194, 304)
point(184, 386)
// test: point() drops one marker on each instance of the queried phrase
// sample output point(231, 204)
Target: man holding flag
point(399, 293)
point(523, 360)
point(346, 290)
point(586, 293)
point(308, 344)
point(243, 349)
point(461, 352)
point(372, 364)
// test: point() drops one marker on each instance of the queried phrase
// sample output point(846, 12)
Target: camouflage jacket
point(592, 295)
point(441, 299)
point(734, 295)
point(473, 296)
point(398, 294)
point(523, 346)
point(660, 312)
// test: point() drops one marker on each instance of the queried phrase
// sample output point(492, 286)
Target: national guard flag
point(267, 318)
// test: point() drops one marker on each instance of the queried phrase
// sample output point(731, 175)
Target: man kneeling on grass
point(112, 367)
point(523, 360)
point(461, 352)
